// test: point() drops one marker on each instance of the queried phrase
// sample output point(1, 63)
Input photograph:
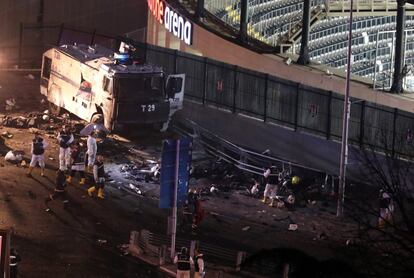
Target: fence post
point(394, 131)
point(93, 36)
point(234, 88)
point(265, 97)
point(175, 61)
point(361, 125)
point(19, 62)
point(328, 122)
point(62, 26)
point(205, 81)
point(297, 107)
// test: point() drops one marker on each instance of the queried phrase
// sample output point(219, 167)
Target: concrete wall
point(210, 45)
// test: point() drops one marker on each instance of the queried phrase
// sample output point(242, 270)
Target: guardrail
point(242, 158)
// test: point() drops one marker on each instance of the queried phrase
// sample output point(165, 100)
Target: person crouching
point(78, 164)
point(99, 177)
point(38, 150)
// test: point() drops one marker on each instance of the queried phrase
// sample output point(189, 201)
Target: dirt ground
point(81, 241)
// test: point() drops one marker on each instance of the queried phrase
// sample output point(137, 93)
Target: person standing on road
point(99, 176)
point(184, 262)
point(271, 185)
point(37, 150)
point(199, 271)
point(65, 139)
point(59, 191)
point(92, 149)
point(78, 164)
point(386, 209)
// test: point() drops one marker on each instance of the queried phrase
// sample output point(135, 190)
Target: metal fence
point(287, 103)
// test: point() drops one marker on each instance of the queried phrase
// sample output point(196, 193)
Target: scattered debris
point(135, 188)
point(10, 104)
point(14, 157)
point(213, 189)
point(7, 135)
point(30, 76)
point(102, 241)
point(293, 227)
point(246, 228)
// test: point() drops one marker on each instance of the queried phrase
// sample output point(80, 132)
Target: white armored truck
point(99, 85)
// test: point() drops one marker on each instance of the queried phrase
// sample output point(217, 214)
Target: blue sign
point(168, 165)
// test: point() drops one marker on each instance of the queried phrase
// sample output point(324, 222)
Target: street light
point(345, 122)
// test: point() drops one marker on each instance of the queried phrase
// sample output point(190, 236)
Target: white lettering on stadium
point(173, 22)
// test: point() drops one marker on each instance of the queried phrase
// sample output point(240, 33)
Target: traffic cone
point(91, 190)
point(101, 193)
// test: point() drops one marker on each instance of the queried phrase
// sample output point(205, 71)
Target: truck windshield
point(141, 87)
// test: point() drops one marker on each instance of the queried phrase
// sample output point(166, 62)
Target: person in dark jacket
point(78, 155)
point(14, 262)
point(183, 262)
point(65, 139)
point(59, 191)
point(99, 176)
point(37, 150)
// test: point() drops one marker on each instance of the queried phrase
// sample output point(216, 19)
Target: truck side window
point(174, 86)
point(105, 84)
point(47, 64)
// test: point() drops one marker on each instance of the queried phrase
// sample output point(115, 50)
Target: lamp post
point(345, 122)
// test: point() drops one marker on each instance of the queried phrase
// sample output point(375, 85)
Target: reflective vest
point(38, 146)
point(64, 139)
point(183, 262)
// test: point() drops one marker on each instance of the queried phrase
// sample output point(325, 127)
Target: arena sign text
point(173, 22)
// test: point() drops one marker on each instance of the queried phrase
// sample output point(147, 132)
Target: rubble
point(246, 228)
point(7, 135)
point(293, 227)
point(14, 157)
point(10, 104)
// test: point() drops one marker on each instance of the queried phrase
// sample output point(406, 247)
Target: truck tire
point(97, 118)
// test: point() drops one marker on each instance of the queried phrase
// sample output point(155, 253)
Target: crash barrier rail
point(157, 245)
point(242, 158)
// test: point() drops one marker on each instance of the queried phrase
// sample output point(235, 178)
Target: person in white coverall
point(91, 152)
point(65, 139)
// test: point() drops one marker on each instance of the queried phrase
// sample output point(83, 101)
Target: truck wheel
point(97, 119)
point(55, 109)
